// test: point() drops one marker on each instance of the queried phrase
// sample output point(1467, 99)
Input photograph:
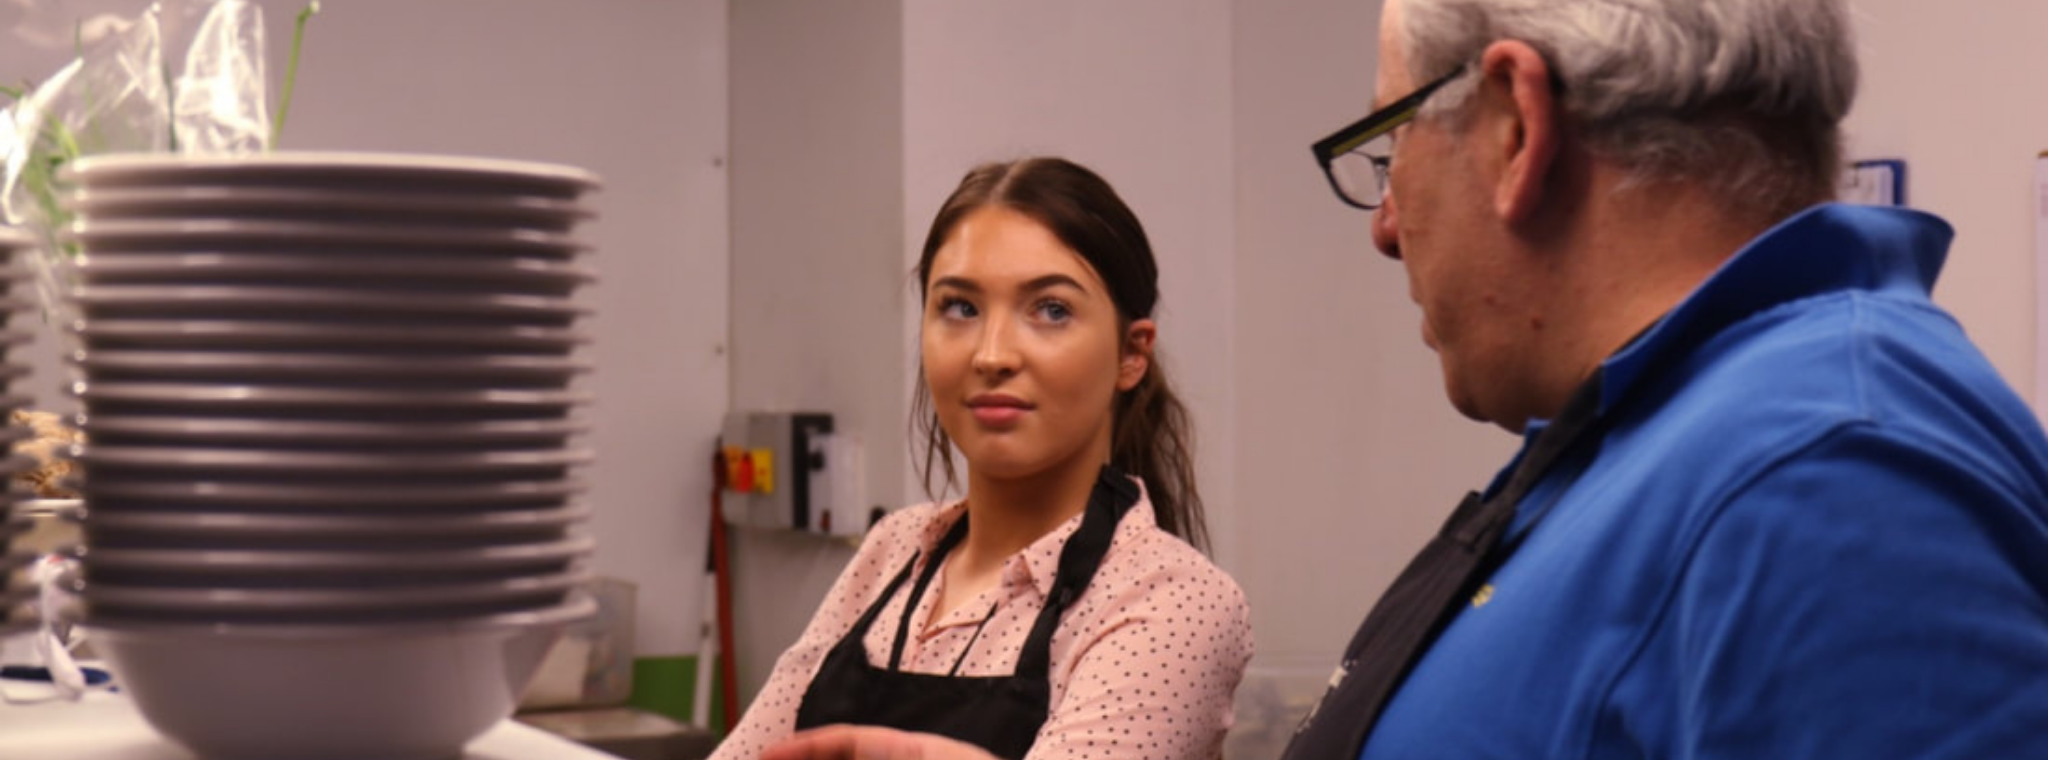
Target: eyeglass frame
point(1375, 124)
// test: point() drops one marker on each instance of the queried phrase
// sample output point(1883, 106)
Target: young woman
point(1061, 609)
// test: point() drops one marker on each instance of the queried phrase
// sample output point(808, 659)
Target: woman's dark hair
point(1150, 430)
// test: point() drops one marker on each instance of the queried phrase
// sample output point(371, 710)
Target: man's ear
point(1528, 135)
point(1137, 354)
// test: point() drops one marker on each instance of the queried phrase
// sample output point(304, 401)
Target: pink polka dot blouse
point(1143, 665)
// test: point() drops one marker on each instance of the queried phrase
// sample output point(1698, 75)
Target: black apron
point(1434, 586)
point(1001, 714)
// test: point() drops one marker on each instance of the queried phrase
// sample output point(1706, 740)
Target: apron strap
point(1433, 588)
point(924, 579)
point(1114, 495)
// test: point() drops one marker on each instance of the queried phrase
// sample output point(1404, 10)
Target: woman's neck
point(1010, 514)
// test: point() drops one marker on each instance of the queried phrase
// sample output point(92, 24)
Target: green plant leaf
point(291, 72)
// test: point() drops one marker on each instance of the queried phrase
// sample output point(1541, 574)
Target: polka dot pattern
point(1144, 663)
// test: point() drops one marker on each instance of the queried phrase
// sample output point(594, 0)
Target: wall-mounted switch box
point(775, 468)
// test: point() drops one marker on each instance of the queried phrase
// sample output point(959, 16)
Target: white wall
point(1953, 92)
point(1140, 92)
point(1348, 456)
point(633, 91)
point(817, 207)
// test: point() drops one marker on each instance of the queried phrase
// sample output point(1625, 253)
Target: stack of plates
point(16, 593)
point(328, 401)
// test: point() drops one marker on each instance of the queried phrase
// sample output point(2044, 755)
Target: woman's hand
point(871, 743)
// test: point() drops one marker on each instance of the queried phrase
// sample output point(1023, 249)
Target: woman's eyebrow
point(957, 283)
point(1044, 282)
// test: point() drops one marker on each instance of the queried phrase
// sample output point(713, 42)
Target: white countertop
point(106, 726)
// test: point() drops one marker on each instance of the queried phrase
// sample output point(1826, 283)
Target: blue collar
point(1827, 248)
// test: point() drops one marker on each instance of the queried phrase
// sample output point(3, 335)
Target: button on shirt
point(1143, 665)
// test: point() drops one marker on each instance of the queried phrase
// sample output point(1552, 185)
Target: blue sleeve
point(1870, 598)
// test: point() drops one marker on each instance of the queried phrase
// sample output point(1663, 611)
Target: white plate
point(189, 201)
point(367, 498)
point(220, 366)
point(378, 271)
point(314, 169)
point(232, 235)
point(168, 334)
point(244, 526)
point(232, 431)
point(255, 302)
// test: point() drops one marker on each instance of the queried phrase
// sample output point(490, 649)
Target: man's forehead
point(1390, 74)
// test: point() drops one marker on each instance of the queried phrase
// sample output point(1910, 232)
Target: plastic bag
point(114, 98)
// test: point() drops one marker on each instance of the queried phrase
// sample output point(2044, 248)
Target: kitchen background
point(771, 166)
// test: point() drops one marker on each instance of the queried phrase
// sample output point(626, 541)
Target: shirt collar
point(1826, 248)
point(1040, 561)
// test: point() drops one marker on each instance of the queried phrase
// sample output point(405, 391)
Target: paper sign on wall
point(1874, 183)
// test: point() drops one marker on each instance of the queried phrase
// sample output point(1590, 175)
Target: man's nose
point(1386, 229)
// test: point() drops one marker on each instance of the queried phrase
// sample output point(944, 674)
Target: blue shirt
point(1818, 528)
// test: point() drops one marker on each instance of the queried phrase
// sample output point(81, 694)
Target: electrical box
point(776, 468)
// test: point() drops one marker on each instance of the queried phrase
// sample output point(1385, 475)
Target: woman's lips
point(997, 410)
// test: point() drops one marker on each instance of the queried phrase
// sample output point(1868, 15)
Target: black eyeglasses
point(1357, 158)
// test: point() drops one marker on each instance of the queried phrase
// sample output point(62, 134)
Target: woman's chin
point(1003, 463)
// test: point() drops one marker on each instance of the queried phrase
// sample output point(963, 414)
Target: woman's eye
point(954, 308)
point(1054, 311)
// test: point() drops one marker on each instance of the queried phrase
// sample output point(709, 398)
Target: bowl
point(329, 305)
point(391, 174)
point(178, 236)
point(313, 692)
point(380, 206)
point(349, 560)
point(218, 432)
point(277, 401)
point(255, 528)
point(275, 599)
point(302, 367)
point(412, 272)
point(155, 494)
point(218, 334)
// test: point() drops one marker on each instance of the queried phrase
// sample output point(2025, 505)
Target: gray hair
point(1745, 95)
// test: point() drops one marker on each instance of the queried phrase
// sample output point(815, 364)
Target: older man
point(1772, 502)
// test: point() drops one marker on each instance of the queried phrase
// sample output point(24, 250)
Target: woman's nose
point(996, 354)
